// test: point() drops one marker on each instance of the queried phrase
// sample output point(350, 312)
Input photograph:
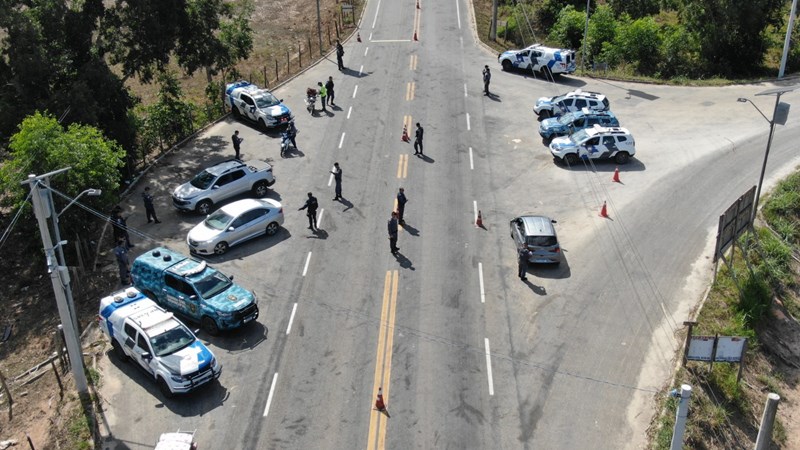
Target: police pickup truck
point(258, 105)
point(545, 60)
point(194, 290)
point(158, 342)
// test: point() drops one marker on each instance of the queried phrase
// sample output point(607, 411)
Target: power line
point(7, 233)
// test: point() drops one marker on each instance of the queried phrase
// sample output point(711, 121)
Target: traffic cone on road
point(616, 176)
point(358, 37)
point(379, 405)
point(479, 221)
point(604, 211)
point(405, 137)
point(415, 36)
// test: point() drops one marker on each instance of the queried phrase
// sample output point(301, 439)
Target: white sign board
point(729, 349)
point(700, 348)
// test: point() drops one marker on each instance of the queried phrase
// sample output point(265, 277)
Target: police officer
point(401, 205)
point(339, 55)
point(148, 206)
point(337, 177)
point(392, 228)
point(291, 131)
point(311, 211)
point(329, 88)
point(120, 227)
point(237, 142)
point(418, 140)
point(121, 253)
point(522, 262)
point(487, 76)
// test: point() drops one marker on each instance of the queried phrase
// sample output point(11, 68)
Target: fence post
point(310, 53)
point(680, 416)
point(767, 420)
point(288, 67)
point(276, 70)
point(300, 54)
point(58, 378)
point(266, 80)
point(8, 394)
point(336, 26)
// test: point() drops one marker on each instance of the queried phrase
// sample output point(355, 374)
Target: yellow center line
point(412, 65)
point(400, 167)
point(387, 372)
point(405, 166)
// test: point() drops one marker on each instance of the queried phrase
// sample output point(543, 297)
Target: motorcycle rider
point(291, 133)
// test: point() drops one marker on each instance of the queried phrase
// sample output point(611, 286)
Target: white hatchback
point(235, 223)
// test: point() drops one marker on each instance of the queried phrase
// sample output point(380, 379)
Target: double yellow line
point(402, 166)
point(411, 87)
point(383, 364)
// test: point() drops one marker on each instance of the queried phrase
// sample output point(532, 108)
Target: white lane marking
point(370, 37)
point(468, 127)
point(305, 268)
point(330, 179)
point(341, 140)
point(354, 91)
point(475, 210)
point(471, 166)
point(391, 40)
point(489, 367)
point(465, 89)
point(461, 41)
point(271, 391)
point(319, 218)
point(349, 110)
point(366, 50)
point(360, 70)
point(458, 14)
point(480, 280)
point(291, 319)
point(376, 14)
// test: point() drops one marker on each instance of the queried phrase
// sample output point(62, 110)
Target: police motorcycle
point(311, 99)
point(286, 139)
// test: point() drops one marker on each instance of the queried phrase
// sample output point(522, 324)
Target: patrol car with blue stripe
point(594, 143)
point(546, 60)
point(160, 344)
point(246, 100)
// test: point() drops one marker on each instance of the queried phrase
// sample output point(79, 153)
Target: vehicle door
point(537, 60)
point(563, 107)
point(591, 146)
point(522, 60)
point(580, 103)
point(136, 346)
point(608, 147)
point(181, 296)
point(517, 232)
point(250, 224)
point(578, 124)
point(249, 106)
point(227, 185)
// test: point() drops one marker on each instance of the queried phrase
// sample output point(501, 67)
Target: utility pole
point(787, 39)
point(493, 25)
point(319, 29)
point(59, 276)
point(680, 416)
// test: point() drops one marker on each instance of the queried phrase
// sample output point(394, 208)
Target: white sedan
point(235, 223)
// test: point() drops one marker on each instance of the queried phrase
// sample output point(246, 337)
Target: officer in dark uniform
point(392, 228)
point(148, 206)
point(311, 211)
point(120, 227)
point(522, 262)
point(121, 253)
point(418, 140)
point(401, 205)
point(337, 176)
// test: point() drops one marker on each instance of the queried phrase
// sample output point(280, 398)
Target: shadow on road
point(251, 247)
point(241, 339)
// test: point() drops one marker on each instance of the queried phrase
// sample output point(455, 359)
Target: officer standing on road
point(401, 205)
point(148, 206)
point(329, 88)
point(487, 77)
point(121, 253)
point(392, 227)
point(337, 177)
point(291, 132)
point(322, 94)
point(339, 55)
point(418, 140)
point(120, 226)
point(311, 211)
point(522, 262)
point(237, 141)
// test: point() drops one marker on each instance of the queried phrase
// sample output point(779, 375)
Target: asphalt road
point(468, 356)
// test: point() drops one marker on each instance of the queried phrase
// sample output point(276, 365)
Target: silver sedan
point(235, 223)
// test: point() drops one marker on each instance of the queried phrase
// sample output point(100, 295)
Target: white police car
point(258, 105)
point(571, 101)
point(158, 342)
point(594, 143)
point(546, 60)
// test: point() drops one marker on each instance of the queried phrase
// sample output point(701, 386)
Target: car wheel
point(221, 248)
point(262, 124)
point(506, 65)
point(272, 228)
point(164, 388)
point(571, 159)
point(204, 207)
point(119, 351)
point(260, 189)
point(235, 112)
point(209, 326)
point(544, 114)
point(622, 157)
point(547, 140)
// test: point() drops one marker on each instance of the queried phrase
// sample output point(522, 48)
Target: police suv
point(258, 105)
point(158, 342)
point(574, 121)
point(594, 143)
point(194, 290)
point(571, 101)
point(546, 60)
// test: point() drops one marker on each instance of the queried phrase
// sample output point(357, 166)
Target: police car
point(574, 121)
point(571, 101)
point(194, 290)
point(546, 60)
point(165, 348)
point(258, 105)
point(595, 143)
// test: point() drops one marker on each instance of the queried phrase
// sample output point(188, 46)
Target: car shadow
point(249, 247)
point(551, 271)
point(603, 165)
point(239, 340)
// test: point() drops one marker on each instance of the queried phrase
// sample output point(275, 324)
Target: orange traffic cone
point(405, 137)
point(603, 211)
point(479, 221)
point(379, 405)
point(358, 37)
point(616, 176)
point(415, 36)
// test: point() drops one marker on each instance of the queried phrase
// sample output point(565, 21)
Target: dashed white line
point(475, 210)
point(305, 268)
point(370, 36)
point(366, 50)
point(471, 165)
point(376, 14)
point(354, 91)
point(458, 14)
point(349, 110)
point(291, 319)
point(330, 179)
point(271, 391)
point(341, 140)
point(319, 217)
point(461, 41)
point(480, 280)
point(465, 89)
point(360, 70)
point(488, 367)
point(468, 126)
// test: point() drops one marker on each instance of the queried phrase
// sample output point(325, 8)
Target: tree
point(568, 29)
point(170, 118)
point(637, 42)
point(602, 28)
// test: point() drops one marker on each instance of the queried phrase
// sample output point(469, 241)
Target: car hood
point(562, 143)
point(189, 359)
point(276, 111)
point(544, 101)
point(552, 123)
point(186, 190)
point(509, 53)
point(203, 233)
point(231, 300)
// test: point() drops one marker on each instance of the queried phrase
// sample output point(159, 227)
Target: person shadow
point(403, 261)
point(426, 158)
point(347, 203)
point(318, 234)
point(411, 230)
point(495, 97)
point(538, 290)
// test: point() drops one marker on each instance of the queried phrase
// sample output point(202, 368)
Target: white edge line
point(291, 319)
point(354, 91)
point(305, 268)
point(471, 166)
point(349, 110)
point(390, 40)
point(480, 280)
point(458, 14)
point(475, 210)
point(376, 13)
point(341, 141)
point(271, 391)
point(319, 217)
point(488, 367)
point(468, 126)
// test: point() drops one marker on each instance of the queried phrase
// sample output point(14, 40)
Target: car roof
point(545, 48)
point(246, 204)
point(538, 226)
point(224, 167)
point(586, 111)
point(583, 94)
point(597, 130)
point(160, 258)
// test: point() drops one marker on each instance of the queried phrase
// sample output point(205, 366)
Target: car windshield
point(211, 283)
point(266, 100)
point(579, 136)
point(171, 341)
point(203, 180)
point(541, 241)
point(566, 119)
point(218, 221)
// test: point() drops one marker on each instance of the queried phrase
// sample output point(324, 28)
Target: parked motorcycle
point(310, 101)
point(286, 142)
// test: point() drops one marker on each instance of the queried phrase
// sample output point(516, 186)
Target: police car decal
point(189, 360)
